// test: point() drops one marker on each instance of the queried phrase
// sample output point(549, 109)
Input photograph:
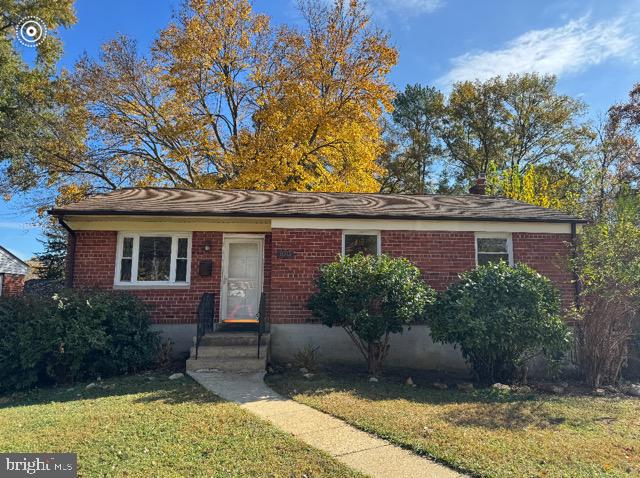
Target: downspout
point(574, 255)
point(71, 253)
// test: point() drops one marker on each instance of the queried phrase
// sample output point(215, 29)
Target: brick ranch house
point(169, 246)
point(12, 273)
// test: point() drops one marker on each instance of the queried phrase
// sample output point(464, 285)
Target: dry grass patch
point(137, 427)
point(485, 433)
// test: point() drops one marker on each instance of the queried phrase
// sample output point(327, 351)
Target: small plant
point(165, 353)
point(371, 297)
point(501, 317)
point(307, 357)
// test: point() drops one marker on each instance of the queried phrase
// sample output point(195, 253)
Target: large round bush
point(72, 335)
point(500, 316)
point(371, 297)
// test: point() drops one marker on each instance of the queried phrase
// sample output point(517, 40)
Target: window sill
point(150, 286)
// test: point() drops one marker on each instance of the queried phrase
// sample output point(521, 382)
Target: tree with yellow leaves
point(539, 185)
point(226, 100)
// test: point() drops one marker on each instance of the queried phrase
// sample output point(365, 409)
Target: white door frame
point(239, 238)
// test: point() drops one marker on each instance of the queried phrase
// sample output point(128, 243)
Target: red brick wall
point(440, 255)
point(95, 267)
point(288, 282)
point(95, 259)
point(292, 278)
point(548, 254)
point(12, 284)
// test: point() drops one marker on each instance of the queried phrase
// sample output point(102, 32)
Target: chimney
point(480, 186)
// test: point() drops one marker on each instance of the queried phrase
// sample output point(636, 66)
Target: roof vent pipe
point(480, 186)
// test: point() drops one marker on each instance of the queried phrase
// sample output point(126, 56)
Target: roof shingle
point(245, 203)
point(10, 264)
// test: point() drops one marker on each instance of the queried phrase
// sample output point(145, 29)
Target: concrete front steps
point(230, 352)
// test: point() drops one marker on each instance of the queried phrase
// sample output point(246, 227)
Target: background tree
point(413, 140)
point(542, 127)
point(51, 261)
point(226, 100)
point(629, 112)
point(27, 91)
point(471, 129)
point(528, 139)
point(611, 169)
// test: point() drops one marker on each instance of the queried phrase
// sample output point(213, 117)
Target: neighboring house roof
point(199, 202)
point(10, 264)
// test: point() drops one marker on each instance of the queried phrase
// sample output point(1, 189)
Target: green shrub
point(72, 335)
point(371, 297)
point(501, 317)
point(608, 267)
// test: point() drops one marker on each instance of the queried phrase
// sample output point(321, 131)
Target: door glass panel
point(243, 293)
point(242, 299)
point(243, 260)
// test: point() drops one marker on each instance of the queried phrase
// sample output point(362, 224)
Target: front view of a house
point(171, 246)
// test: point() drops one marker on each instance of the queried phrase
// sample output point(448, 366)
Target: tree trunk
point(376, 352)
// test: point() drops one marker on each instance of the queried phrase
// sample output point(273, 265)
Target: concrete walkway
point(357, 449)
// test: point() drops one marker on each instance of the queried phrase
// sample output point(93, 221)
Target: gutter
point(258, 215)
point(574, 254)
point(71, 253)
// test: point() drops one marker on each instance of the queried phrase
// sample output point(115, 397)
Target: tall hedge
point(72, 335)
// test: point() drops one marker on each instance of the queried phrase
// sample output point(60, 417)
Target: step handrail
point(263, 325)
point(204, 317)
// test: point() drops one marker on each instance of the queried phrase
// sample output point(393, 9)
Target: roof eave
point(109, 212)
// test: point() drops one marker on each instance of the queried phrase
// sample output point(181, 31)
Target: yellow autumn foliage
point(226, 100)
point(537, 186)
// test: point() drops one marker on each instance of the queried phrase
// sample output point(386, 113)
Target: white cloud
point(16, 225)
point(404, 7)
point(567, 49)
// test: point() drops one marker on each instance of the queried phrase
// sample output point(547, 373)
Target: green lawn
point(484, 432)
point(136, 427)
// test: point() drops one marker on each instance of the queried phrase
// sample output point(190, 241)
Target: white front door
point(242, 273)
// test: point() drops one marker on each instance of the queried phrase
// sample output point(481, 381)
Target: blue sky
point(592, 46)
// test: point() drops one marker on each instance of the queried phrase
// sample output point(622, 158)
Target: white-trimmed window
point(366, 242)
point(153, 258)
point(493, 247)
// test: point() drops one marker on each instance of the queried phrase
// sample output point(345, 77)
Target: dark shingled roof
point(242, 203)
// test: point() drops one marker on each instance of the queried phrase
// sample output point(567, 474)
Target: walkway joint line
point(357, 449)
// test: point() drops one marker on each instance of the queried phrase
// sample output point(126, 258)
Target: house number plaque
point(285, 254)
